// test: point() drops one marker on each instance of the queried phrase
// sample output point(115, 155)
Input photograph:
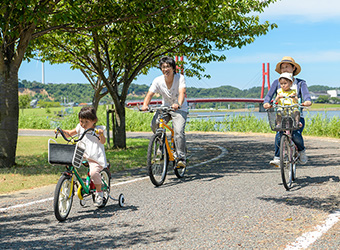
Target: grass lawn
point(33, 170)
point(323, 106)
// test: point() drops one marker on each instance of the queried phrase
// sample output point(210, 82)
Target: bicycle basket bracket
point(78, 154)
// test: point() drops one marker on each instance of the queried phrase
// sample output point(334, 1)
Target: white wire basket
point(288, 119)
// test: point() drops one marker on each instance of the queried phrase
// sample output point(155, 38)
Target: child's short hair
point(88, 113)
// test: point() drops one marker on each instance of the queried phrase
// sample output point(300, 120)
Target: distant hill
point(78, 92)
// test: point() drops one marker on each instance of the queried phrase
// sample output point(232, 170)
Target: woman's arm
point(305, 94)
point(270, 94)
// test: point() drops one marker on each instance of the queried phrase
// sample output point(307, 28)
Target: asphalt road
point(231, 198)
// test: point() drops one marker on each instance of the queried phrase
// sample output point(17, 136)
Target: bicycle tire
point(294, 160)
point(105, 177)
point(286, 162)
point(179, 172)
point(157, 159)
point(63, 197)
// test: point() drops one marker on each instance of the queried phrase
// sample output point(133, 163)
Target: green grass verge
point(33, 170)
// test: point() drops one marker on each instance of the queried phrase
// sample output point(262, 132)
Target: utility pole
point(43, 73)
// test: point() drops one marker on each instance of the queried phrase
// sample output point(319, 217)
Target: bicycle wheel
point(105, 176)
point(286, 162)
point(157, 159)
point(179, 172)
point(294, 157)
point(63, 197)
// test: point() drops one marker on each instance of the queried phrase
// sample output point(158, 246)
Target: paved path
point(231, 198)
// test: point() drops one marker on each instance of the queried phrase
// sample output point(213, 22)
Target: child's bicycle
point(71, 155)
point(289, 154)
point(161, 151)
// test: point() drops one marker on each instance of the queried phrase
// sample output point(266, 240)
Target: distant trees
point(323, 99)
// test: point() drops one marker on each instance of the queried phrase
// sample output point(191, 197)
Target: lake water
point(219, 115)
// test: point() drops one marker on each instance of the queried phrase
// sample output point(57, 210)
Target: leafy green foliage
point(24, 101)
point(113, 55)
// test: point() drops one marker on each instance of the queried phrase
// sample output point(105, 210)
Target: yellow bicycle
point(162, 150)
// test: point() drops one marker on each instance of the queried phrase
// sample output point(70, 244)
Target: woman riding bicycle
point(171, 86)
point(288, 65)
point(95, 151)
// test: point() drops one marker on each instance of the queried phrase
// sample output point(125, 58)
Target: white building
point(333, 93)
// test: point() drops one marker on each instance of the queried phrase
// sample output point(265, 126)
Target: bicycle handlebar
point(59, 130)
point(276, 105)
point(161, 108)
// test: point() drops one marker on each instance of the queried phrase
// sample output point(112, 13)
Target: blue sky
point(308, 31)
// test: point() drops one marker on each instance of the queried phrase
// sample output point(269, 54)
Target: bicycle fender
point(80, 195)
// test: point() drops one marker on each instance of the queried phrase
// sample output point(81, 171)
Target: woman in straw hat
point(288, 65)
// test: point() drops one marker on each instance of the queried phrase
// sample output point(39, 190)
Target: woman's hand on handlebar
point(307, 103)
point(267, 105)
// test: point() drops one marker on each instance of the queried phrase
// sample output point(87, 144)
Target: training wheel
point(121, 200)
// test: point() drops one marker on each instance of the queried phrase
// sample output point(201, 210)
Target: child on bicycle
point(287, 96)
point(94, 151)
point(288, 64)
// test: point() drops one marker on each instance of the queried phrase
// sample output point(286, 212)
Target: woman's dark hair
point(168, 60)
point(88, 113)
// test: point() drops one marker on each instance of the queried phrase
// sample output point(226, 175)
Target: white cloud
point(307, 10)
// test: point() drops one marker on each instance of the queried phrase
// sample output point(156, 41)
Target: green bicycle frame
point(74, 172)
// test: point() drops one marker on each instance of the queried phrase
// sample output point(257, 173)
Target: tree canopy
point(22, 22)
point(114, 54)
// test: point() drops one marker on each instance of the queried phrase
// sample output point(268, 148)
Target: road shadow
point(243, 154)
point(326, 204)
point(38, 230)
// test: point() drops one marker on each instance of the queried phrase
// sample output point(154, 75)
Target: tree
point(322, 99)
point(22, 22)
point(115, 54)
point(24, 101)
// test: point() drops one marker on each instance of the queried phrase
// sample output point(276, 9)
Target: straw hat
point(288, 59)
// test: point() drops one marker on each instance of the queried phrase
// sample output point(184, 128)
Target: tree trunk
point(95, 99)
point(120, 129)
point(9, 114)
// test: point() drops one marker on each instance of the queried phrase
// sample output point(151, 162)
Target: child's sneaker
point(275, 161)
point(98, 199)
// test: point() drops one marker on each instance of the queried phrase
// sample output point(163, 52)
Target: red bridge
point(199, 100)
